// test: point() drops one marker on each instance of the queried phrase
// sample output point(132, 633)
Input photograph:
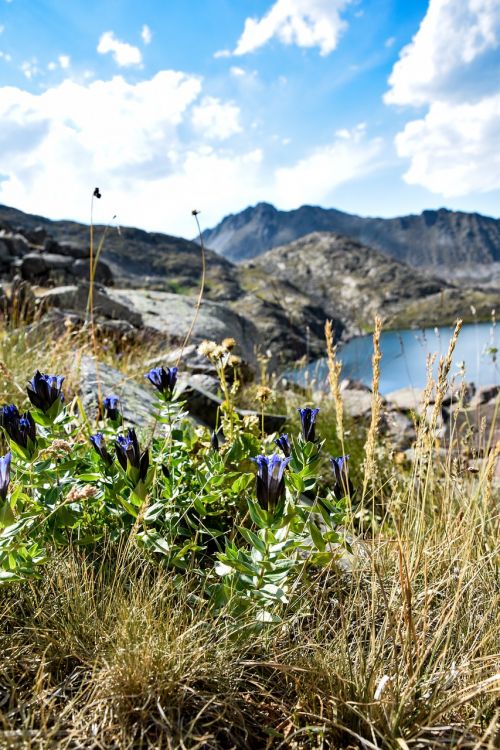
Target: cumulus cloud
point(453, 150)
point(350, 155)
point(146, 34)
point(124, 54)
point(452, 67)
point(215, 119)
point(64, 61)
point(306, 23)
point(455, 52)
point(157, 149)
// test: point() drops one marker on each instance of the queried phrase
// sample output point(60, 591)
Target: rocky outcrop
point(171, 315)
point(432, 238)
point(47, 264)
point(137, 402)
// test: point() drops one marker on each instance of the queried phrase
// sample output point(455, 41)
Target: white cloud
point(30, 68)
point(156, 149)
point(454, 150)
point(2, 28)
point(215, 119)
point(222, 53)
point(5, 56)
point(452, 66)
point(314, 178)
point(124, 54)
point(64, 61)
point(455, 47)
point(237, 72)
point(306, 23)
point(146, 34)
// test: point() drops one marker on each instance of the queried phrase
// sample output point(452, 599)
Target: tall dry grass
point(398, 646)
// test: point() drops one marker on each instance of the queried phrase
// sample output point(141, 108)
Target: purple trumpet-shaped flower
point(111, 408)
point(99, 445)
point(284, 443)
point(214, 441)
point(4, 474)
point(308, 420)
point(270, 485)
point(129, 455)
point(164, 379)
point(21, 429)
point(343, 485)
point(44, 392)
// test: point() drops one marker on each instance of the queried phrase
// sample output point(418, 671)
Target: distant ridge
point(432, 238)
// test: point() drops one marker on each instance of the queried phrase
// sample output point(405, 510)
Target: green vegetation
point(172, 601)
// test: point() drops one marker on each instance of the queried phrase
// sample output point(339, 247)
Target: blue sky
point(377, 107)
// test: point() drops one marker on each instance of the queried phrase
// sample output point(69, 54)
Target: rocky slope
point(351, 283)
point(160, 261)
point(432, 238)
point(277, 303)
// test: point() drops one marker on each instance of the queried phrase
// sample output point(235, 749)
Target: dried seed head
point(206, 348)
point(263, 394)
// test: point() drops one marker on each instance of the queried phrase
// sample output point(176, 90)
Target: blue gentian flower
point(4, 474)
point(129, 455)
point(99, 445)
point(284, 443)
point(214, 441)
point(308, 420)
point(110, 404)
point(44, 392)
point(21, 429)
point(270, 486)
point(164, 379)
point(343, 485)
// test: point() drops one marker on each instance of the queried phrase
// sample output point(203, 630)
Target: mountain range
point(440, 238)
point(278, 300)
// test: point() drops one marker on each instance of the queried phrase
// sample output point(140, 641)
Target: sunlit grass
point(397, 647)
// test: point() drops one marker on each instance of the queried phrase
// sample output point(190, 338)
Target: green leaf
point(259, 516)
point(241, 484)
point(252, 539)
point(317, 536)
point(7, 517)
point(296, 481)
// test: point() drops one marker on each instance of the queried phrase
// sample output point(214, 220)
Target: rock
point(357, 403)
point(136, 401)
point(36, 236)
point(5, 256)
point(76, 298)
point(399, 429)
point(18, 244)
point(206, 405)
point(200, 381)
point(467, 424)
point(37, 267)
point(484, 395)
point(347, 384)
point(172, 315)
point(407, 399)
point(186, 359)
point(459, 392)
point(76, 250)
point(80, 269)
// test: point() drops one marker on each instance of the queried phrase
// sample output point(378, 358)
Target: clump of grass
point(395, 645)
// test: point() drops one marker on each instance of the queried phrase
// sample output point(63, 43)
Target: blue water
point(404, 354)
